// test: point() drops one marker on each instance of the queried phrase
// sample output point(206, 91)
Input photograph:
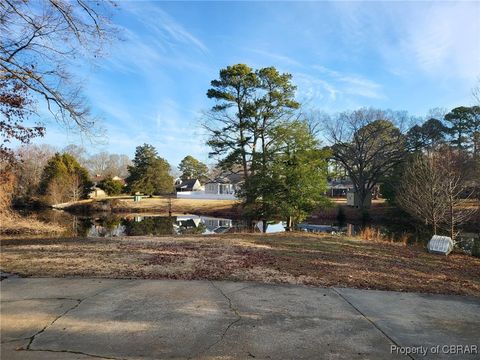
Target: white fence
point(202, 195)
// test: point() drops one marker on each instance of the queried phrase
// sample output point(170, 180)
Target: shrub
point(111, 187)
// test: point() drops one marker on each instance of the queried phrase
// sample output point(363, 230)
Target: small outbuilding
point(271, 227)
point(440, 245)
point(96, 193)
point(353, 199)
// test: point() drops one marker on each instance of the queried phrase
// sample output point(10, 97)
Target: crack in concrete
point(369, 320)
point(79, 301)
point(234, 310)
point(39, 299)
point(78, 353)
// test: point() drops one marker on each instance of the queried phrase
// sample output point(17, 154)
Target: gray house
point(339, 188)
point(224, 185)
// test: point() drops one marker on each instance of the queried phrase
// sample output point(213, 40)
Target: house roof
point(98, 178)
point(340, 184)
point(227, 179)
point(187, 184)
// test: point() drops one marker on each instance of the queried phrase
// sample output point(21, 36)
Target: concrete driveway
point(46, 318)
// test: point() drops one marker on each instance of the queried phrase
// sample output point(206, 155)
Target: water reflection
point(140, 225)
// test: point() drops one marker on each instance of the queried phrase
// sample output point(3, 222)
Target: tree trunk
point(362, 195)
point(289, 223)
point(264, 227)
point(452, 218)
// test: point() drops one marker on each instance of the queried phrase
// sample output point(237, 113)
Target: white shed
point(440, 245)
point(353, 199)
point(271, 228)
point(96, 193)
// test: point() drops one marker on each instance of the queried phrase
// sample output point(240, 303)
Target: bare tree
point(75, 187)
point(38, 40)
point(7, 186)
point(106, 164)
point(433, 190)
point(97, 164)
point(455, 192)
point(29, 169)
point(368, 145)
point(421, 192)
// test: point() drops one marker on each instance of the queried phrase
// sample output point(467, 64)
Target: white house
point(211, 225)
point(228, 185)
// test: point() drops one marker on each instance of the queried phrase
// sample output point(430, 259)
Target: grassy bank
point(159, 205)
point(289, 258)
point(12, 224)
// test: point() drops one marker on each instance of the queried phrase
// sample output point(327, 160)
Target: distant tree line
point(54, 176)
point(429, 170)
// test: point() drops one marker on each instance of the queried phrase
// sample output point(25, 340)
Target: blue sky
point(151, 86)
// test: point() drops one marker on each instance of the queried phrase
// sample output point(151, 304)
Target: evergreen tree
point(191, 168)
point(426, 136)
point(461, 120)
point(300, 170)
point(64, 179)
point(149, 173)
point(111, 187)
point(251, 108)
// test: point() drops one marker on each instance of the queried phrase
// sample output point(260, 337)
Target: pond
point(113, 225)
point(150, 224)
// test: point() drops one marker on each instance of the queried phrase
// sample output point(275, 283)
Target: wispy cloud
point(162, 25)
point(352, 84)
point(277, 58)
point(437, 39)
point(154, 38)
point(151, 88)
point(177, 128)
point(444, 40)
point(311, 88)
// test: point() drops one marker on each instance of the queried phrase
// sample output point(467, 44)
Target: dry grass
point(289, 258)
point(179, 206)
point(12, 224)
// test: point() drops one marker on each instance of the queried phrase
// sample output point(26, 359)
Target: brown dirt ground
point(297, 258)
